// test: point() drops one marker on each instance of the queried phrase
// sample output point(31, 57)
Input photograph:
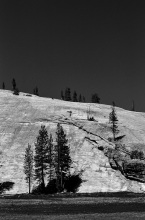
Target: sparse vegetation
point(136, 154)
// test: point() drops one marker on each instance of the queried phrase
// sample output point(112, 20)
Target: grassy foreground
point(80, 206)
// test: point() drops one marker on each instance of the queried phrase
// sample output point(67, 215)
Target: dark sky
point(89, 46)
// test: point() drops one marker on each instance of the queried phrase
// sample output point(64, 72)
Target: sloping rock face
point(22, 116)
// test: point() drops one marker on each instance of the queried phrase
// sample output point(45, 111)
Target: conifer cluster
point(51, 161)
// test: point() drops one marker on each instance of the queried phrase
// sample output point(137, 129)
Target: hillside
point(20, 120)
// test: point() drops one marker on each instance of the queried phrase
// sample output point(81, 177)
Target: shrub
point(91, 119)
point(72, 183)
point(137, 155)
point(16, 91)
point(40, 189)
point(101, 148)
point(51, 187)
point(6, 186)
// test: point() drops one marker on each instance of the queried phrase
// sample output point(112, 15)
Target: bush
point(51, 187)
point(137, 155)
point(91, 119)
point(40, 189)
point(6, 186)
point(72, 183)
point(16, 91)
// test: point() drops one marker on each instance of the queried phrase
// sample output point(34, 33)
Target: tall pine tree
point(62, 158)
point(3, 85)
point(113, 120)
point(13, 84)
point(28, 166)
point(75, 97)
point(67, 94)
point(35, 91)
point(41, 156)
point(51, 164)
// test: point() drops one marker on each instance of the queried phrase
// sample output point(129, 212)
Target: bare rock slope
point(20, 120)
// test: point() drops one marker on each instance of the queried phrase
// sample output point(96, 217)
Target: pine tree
point(28, 165)
point(95, 98)
point(50, 153)
point(35, 91)
point(3, 85)
point(16, 91)
point(13, 84)
point(133, 106)
point(75, 97)
point(113, 120)
point(80, 98)
point(62, 96)
point(67, 94)
point(63, 159)
point(41, 156)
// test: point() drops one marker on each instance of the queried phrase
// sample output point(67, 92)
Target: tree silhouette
point(13, 84)
point(95, 98)
point(28, 165)
point(16, 91)
point(41, 156)
point(113, 120)
point(50, 153)
point(62, 158)
point(133, 106)
point(75, 97)
point(67, 94)
point(3, 85)
point(35, 91)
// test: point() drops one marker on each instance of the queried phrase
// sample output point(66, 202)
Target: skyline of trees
point(66, 97)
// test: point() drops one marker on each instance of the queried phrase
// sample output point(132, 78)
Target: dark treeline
point(66, 95)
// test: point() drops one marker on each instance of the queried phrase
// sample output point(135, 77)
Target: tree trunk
point(43, 184)
point(29, 185)
point(58, 170)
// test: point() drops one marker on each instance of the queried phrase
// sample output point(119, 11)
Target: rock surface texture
point(105, 167)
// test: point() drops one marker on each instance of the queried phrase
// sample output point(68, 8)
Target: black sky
point(89, 46)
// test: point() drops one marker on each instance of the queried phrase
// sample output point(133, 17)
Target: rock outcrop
point(104, 168)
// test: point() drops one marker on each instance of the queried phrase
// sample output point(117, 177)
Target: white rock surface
point(20, 120)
